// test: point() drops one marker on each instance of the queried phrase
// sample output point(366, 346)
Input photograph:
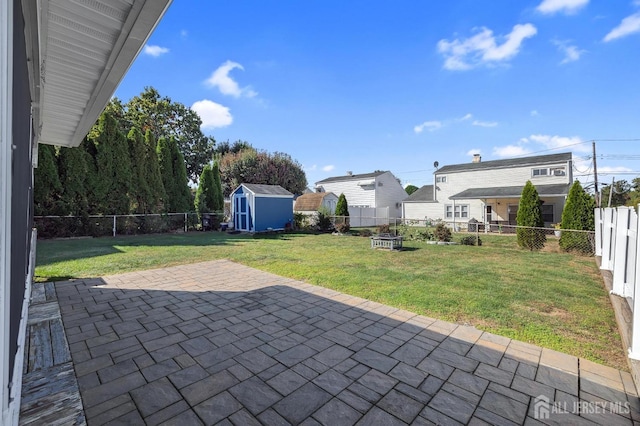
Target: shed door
point(241, 219)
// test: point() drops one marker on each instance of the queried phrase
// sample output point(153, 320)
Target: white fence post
point(114, 225)
point(624, 256)
point(598, 220)
point(608, 239)
point(634, 350)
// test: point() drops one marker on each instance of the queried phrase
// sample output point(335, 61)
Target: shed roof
point(267, 190)
point(425, 193)
point(510, 162)
point(511, 192)
point(352, 177)
point(310, 202)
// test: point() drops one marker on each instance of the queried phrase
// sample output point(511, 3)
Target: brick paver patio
point(218, 342)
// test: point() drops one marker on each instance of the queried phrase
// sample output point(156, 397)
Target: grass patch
point(547, 298)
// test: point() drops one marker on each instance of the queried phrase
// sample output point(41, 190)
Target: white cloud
point(510, 151)
point(484, 123)
point(534, 113)
point(228, 86)
point(469, 116)
point(571, 53)
point(473, 152)
point(184, 34)
point(575, 143)
point(153, 50)
point(628, 26)
point(429, 125)
point(328, 168)
point(566, 6)
point(482, 48)
point(213, 115)
point(312, 168)
point(606, 170)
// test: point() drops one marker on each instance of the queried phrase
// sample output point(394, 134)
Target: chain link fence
point(135, 224)
point(473, 233)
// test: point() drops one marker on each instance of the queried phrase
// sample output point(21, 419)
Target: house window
point(457, 211)
point(547, 213)
point(441, 179)
point(558, 171)
point(539, 172)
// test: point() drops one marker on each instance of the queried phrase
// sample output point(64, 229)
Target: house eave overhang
point(544, 191)
point(78, 53)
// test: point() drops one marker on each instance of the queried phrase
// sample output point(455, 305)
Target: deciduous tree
point(260, 167)
point(166, 118)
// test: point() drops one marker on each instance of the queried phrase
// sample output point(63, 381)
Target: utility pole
point(595, 174)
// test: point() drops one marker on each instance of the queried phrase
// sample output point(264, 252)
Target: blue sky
point(371, 85)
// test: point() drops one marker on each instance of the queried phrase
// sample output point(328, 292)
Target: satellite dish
point(436, 164)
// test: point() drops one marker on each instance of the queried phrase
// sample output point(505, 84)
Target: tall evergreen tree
point(46, 188)
point(530, 216)
point(141, 198)
point(158, 194)
point(72, 168)
point(166, 173)
point(184, 200)
point(218, 197)
point(205, 195)
point(112, 181)
point(174, 176)
point(578, 214)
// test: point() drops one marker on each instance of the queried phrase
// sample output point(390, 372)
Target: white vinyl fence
point(618, 243)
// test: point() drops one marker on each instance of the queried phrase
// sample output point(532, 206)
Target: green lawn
point(548, 298)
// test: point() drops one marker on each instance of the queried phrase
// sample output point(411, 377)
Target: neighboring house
point(61, 62)
point(376, 190)
point(490, 191)
point(258, 208)
point(309, 204)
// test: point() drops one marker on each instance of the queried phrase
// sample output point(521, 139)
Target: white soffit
point(84, 48)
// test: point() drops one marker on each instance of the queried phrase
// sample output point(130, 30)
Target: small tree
point(530, 217)
point(218, 196)
point(342, 208)
point(205, 195)
point(577, 215)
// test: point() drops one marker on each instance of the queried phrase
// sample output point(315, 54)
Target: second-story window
point(549, 171)
point(441, 179)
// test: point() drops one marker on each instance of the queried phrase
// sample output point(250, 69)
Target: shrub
point(470, 240)
point(299, 220)
point(442, 232)
point(343, 228)
point(384, 229)
point(530, 217)
point(323, 220)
